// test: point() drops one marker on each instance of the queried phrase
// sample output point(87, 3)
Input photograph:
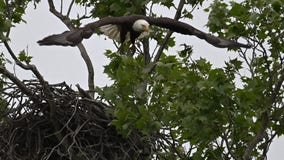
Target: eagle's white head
point(140, 25)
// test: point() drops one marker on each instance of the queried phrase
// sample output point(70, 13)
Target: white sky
point(58, 64)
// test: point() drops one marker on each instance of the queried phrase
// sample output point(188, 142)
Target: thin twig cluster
point(79, 128)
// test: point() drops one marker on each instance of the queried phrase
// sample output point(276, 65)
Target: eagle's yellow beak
point(146, 29)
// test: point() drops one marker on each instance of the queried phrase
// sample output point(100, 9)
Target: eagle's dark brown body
point(72, 38)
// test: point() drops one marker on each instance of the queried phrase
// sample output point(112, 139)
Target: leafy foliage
point(11, 12)
point(203, 108)
point(184, 107)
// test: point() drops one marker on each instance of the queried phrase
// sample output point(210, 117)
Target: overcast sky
point(58, 64)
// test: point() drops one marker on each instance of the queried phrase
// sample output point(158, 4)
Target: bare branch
point(63, 18)
point(150, 66)
point(90, 68)
point(70, 8)
point(66, 20)
point(38, 75)
point(169, 33)
point(18, 82)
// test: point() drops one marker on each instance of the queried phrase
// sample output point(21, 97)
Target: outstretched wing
point(67, 38)
point(112, 31)
point(72, 38)
point(57, 39)
point(184, 28)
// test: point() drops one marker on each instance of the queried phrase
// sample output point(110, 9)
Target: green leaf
point(24, 57)
point(277, 5)
point(238, 10)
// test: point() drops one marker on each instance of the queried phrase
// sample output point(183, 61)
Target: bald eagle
point(132, 27)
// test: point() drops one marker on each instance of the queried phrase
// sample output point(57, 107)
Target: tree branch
point(169, 33)
point(18, 82)
point(265, 119)
point(33, 68)
point(67, 22)
point(70, 8)
point(259, 136)
point(63, 18)
point(150, 66)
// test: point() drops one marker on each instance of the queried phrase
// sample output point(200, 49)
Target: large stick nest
point(79, 127)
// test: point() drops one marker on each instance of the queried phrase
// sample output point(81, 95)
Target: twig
point(58, 145)
point(63, 18)
point(70, 8)
point(83, 92)
point(18, 82)
point(150, 67)
point(224, 137)
point(75, 133)
point(169, 33)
